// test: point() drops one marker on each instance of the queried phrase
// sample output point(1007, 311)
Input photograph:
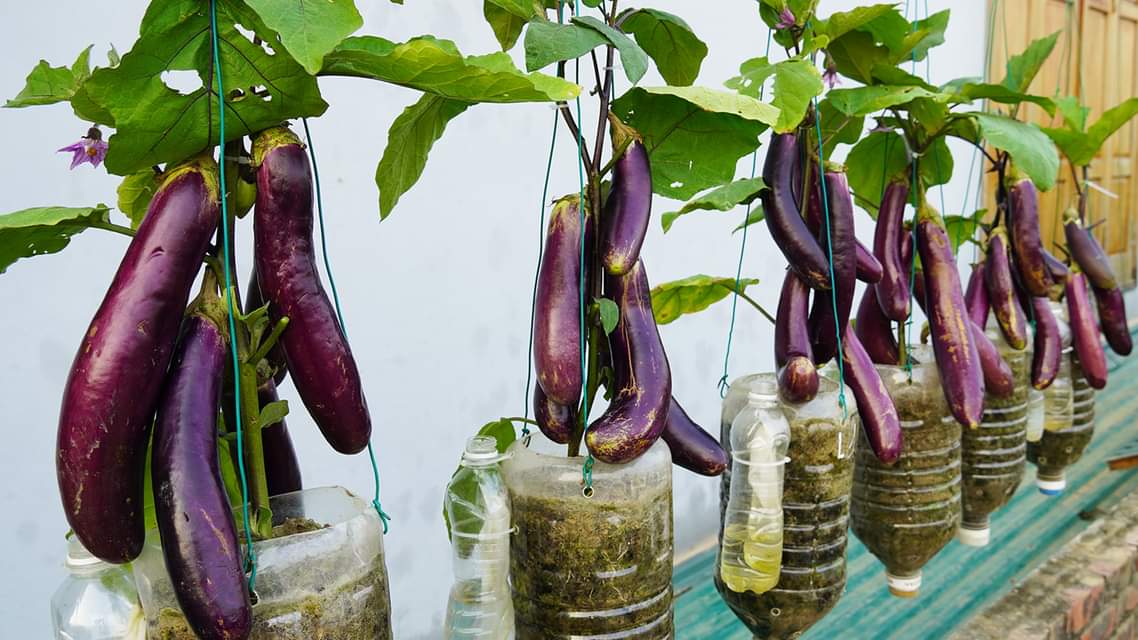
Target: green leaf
point(549, 42)
point(694, 136)
point(842, 22)
point(870, 165)
point(632, 57)
point(309, 29)
point(856, 56)
point(610, 314)
point(756, 215)
point(796, 84)
point(229, 478)
point(1033, 152)
point(962, 229)
point(155, 123)
point(506, 26)
point(935, 165)
point(838, 128)
point(47, 84)
point(1073, 112)
point(521, 8)
point(409, 142)
point(1023, 68)
point(41, 230)
point(1081, 148)
point(272, 413)
point(862, 101)
point(889, 74)
point(969, 91)
point(503, 433)
point(677, 51)
point(135, 192)
point(436, 66)
point(693, 294)
point(724, 198)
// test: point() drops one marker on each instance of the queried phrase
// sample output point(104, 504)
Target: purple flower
point(90, 148)
point(830, 76)
point(786, 20)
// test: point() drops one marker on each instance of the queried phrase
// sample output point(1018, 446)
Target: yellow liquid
point(751, 557)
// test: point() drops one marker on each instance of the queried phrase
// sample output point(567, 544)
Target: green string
point(383, 517)
point(723, 381)
point(251, 561)
point(915, 189)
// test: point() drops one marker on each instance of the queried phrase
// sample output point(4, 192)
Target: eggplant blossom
point(90, 148)
point(786, 20)
point(830, 75)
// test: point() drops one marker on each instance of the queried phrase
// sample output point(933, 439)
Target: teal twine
point(537, 272)
point(723, 381)
point(912, 275)
point(383, 517)
point(251, 560)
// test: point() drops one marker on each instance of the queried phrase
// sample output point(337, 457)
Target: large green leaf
point(796, 84)
point(549, 42)
point(632, 57)
point(842, 22)
point(693, 294)
point(906, 40)
point(507, 27)
point(409, 141)
point(524, 9)
point(436, 66)
point(156, 123)
point(962, 229)
point(966, 91)
point(863, 101)
point(695, 136)
point(677, 51)
point(1081, 148)
point(47, 84)
point(724, 198)
point(34, 232)
point(1074, 113)
point(135, 192)
point(309, 29)
point(1033, 152)
point(837, 128)
point(871, 163)
point(1023, 68)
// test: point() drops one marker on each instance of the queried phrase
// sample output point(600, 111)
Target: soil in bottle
point(1057, 450)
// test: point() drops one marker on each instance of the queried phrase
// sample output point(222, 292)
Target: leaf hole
point(184, 82)
point(252, 37)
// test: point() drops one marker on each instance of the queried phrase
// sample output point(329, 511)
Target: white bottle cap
point(1051, 486)
point(904, 586)
point(974, 537)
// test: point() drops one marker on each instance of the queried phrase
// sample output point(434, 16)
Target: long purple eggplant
point(638, 411)
point(282, 468)
point(1058, 270)
point(842, 243)
point(692, 448)
point(798, 380)
point(1112, 320)
point(869, 269)
point(955, 348)
point(793, 353)
point(893, 289)
point(1087, 252)
point(874, 330)
point(557, 328)
point(276, 356)
point(1048, 352)
point(316, 349)
point(1001, 290)
point(1084, 330)
point(199, 540)
point(784, 221)
point(976, 295)
point(1023, 229)
point(629, 205)
point(555, 420)
point(112, 390)
point(874, 405)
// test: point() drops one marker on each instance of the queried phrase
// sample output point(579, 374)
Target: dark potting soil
point(1057, 450)
point(994, 454)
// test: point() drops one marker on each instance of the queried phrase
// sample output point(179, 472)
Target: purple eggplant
point(638, 411)
point(953, 343)
point(976, 295)
point(875, 331)
point(869, 270)
point(1048, 352)
point(629, 204)
point(874, 405)
point(1001, 290)
point(843, 247)
point(557, 328)
point(1112, 320)
point(792, 341)
point(112, 390)
point(798, 380)
point(555, 420)
point(1084, 330)
point(1088, 253)
point(1023, 229)
point(784, 221)
point(692, 448)
point(316, 349)
point(1058, 270)
point(893, 289)
point(276, 356)
point(199, 540)
point(282, 468)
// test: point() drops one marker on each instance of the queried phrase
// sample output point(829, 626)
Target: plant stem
point(268, 343)
point(756, 305)
point(902, 344)
point(116, 228)
point(262, 524)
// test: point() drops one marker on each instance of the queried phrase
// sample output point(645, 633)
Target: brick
point(1129, 599)
point(1029, 631)
point(1082, 604)
point(1114, 565)
point(1104, 625)
point(1125, 630)
point(1132, 536)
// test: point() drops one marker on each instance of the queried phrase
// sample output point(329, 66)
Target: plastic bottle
point(1036, 415)
point(1062, 447)
point(479, 510)
point(97, 600)
point(751, 550)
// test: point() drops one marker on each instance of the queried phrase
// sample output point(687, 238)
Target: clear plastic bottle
point(97, 600)
point(751, 550)
point(1063, 438)
point(478, 506)
point(1035, 414)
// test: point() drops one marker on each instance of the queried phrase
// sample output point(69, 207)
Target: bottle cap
point(979, 537)
point(1051, 486)
point(78, 557)
point(481, 449)
point(904, 586)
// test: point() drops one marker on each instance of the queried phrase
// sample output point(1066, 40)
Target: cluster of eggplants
point(1092, 260)
point(831, 311)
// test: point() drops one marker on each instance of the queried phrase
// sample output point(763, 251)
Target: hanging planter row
point(908, 437)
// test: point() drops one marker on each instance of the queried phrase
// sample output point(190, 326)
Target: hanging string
point(723, 381)
point(383, 517)
point(251, 553)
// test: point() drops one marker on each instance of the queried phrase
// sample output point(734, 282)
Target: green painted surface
point(960, 581)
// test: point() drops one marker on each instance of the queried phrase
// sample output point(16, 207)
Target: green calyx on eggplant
point(1113, 321)
point(783, 218)
point(1087, 252)
point(557, 317)
point(874, 405)
point(1084, 330)
point(638, 411)
point(629, 203)
point(875, 331)
point(319, 359)
point(555, 420)
point(893, 289)
point(195, 521)
point(692, 447)
point(1023, 231)
point(1001, 289)
point(1048, 351)
point(103, 432)
point(839, 237)
point(793, 351)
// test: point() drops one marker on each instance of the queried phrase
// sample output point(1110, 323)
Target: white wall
point(436, 297)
